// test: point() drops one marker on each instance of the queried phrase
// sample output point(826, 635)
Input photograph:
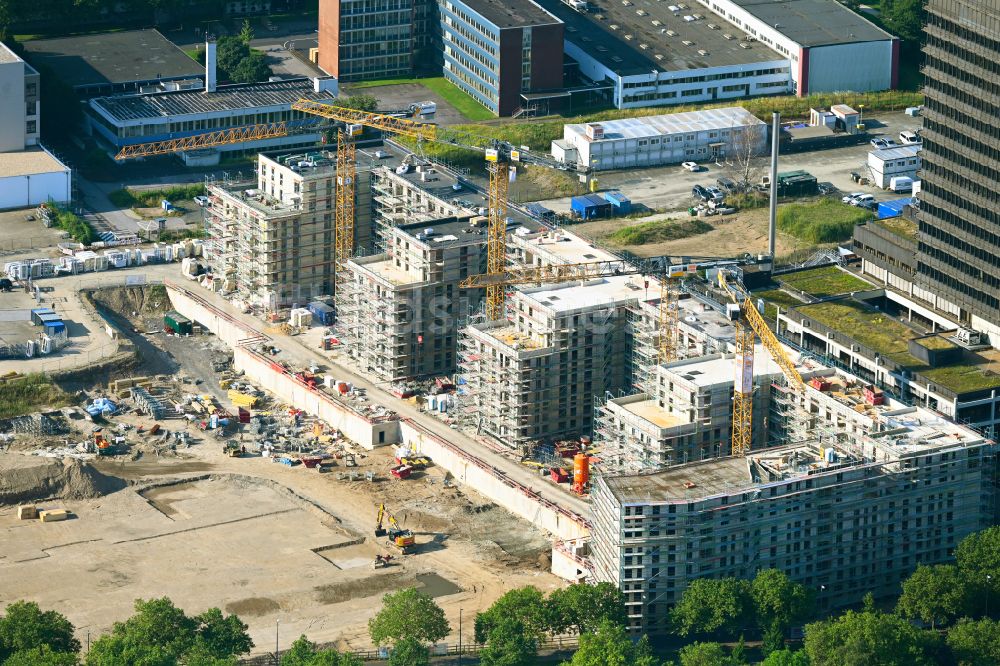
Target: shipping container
point(37, 312)
point(321, 312)
point(621, 203)
point(177, 323)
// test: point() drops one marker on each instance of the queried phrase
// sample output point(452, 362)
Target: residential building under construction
point(399, 310)
point(872, 488)
point(271, 238)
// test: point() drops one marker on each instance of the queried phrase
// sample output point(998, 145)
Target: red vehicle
point(401, 471)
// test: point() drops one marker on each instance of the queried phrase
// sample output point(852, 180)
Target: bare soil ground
point(732, 235)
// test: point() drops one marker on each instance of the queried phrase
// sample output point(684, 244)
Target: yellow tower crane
point(750, 324)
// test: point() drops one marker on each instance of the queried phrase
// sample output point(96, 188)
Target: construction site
point(383, 364)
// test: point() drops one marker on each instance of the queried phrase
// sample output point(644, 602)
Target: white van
point(909, 138)
point(901, 184)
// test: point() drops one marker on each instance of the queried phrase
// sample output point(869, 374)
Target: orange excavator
point(398, 537)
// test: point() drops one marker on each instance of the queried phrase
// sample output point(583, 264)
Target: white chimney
point(209, 64)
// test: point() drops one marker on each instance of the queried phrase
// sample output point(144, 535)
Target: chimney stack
point(210, 59)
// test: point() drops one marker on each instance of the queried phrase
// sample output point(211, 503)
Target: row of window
point(957, 285)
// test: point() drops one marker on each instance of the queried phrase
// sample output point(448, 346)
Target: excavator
point(398, 537)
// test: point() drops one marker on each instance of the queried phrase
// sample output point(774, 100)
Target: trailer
point(177, 323)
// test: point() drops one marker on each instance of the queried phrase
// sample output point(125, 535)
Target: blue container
point(893, 208)
point(622, 204)
point(321, 312)
point(36, 315)
point(54, 328)
point(590, 206)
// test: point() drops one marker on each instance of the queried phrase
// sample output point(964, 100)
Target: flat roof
point(113, 57)
point(898, 153)
point(559, 245)
point(718, 369)
point(225, 98)
point(447, 231)
point(702, 478)
point(669, 123)
point(6, 55)
point(29, 163)
point(573, 296)
point(814, 22)
point(650, 410)
point(510, 13)
point(593, 33)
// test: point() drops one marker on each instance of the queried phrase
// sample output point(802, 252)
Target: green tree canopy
point(905, 18)
point(509, 643)
point(408, 613)
point(526, 605)
point(786, 658)
point(25, 627)
point(229, 52)
point(582, 607)
point(710, 606)
point(43, 655)
point(978, 557)
point(706, 654)
point(359, 102)
point(975, 643)
point(251, 69)
point(610, 645)
point(409, 651)
point(779, 602)
point(866, 638)
point(934, 595)
point(303, 652)
point(222, 636)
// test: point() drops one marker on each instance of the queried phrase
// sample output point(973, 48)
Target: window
point(32, 127)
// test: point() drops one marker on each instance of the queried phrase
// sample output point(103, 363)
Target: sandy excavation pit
point(244, 546)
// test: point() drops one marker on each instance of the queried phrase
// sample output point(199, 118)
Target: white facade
point(666, 139)
point(885, 165)
point(29, 178)
point(19, 106)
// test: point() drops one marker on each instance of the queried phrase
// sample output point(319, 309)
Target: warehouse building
point(842, 517)
point(502, 51)
point(134, 119)
point(113, 63)
point(29, 174)
point(712, 134)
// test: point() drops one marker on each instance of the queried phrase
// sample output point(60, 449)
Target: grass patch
point(78, 228)
point(174, 235)
point(824, 221)
point(151, 198)
point(659, 231)
point(464, 103)
point(30, 394)
point(775, 298)
point(196, 54)
point(825, 281)
point(936, 342)
point(747, 200)
point(901, 226)
point(883, 334)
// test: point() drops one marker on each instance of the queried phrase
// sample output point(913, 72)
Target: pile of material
point(25, 479)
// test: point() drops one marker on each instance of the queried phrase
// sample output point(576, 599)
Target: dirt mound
point(31, 478)
point(133, 303)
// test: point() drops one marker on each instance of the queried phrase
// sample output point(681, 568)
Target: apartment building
point(272, 238)
point(399, 310)
point(843, 516)
point(534, 375)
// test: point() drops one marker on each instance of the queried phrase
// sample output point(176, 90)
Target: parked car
point(700, 193)
point(715, 193)
point(201, 201)
point(910, 138)
point(864, 201)
point(852, 196)
point(381, 154)
point(727, 184)
point(880, 143)
point(693, 167)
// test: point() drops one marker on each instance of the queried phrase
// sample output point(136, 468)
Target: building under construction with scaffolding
point(271, 237)
point(870, 489)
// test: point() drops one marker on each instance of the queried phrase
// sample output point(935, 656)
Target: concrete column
point(772, 220)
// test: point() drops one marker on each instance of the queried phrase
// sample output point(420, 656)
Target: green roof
point(900, 226)
point(824, 281)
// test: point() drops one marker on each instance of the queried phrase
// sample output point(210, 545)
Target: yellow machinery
point(398, 537)
point(222, 137)
point(749, 322)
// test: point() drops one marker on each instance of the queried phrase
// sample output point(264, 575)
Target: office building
point(958, 248)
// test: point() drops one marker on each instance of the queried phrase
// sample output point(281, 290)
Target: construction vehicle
point(381, 561)
point(750, 324)
point(234, 449)
point(399, 538)
point(103, 446)
point(666, 270)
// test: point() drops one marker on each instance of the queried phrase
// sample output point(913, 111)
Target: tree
point(905, 18)
point(409, 652)
point(705, 654)
point(230, 52)
point(745, 153)
point(252, 69)
point(526, 605)
point(43, 655)
point(246, 32)
point(709, 606)
point(786, 658)
point(975, 643)
point(359, 102)
point(25, 627)
point(861, 639)
point(933, 594)
point(978, 557)
point(222, 636)
point(582, 607)
point(304, 653)
point(408, 613)
point(610, 645)
point(779, 603)
point(509, 643)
